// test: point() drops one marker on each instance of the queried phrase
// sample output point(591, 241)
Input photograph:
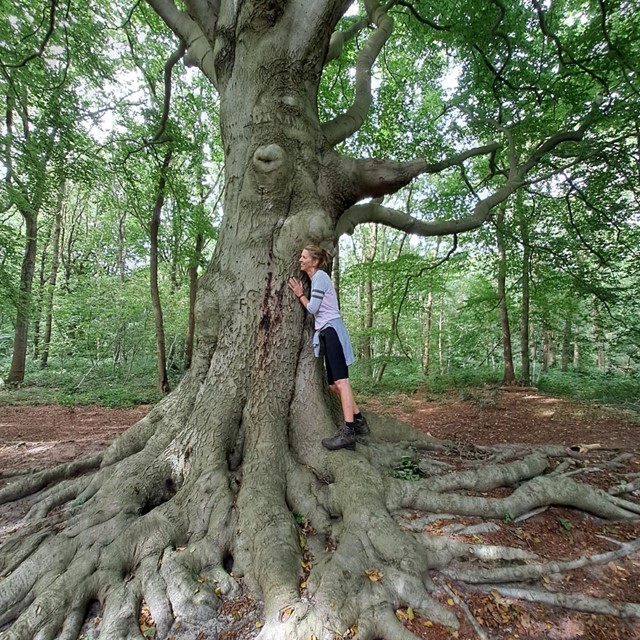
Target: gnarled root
point(320, 537)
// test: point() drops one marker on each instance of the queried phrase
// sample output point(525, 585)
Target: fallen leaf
point(286, 613)
point(427, 623)
point(450, 602)
point(410, 614)
point(259, 624)
point(374, 575)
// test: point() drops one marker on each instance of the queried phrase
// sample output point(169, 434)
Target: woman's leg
point(344, 391)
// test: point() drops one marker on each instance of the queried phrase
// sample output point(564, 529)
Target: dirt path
point(43, 436)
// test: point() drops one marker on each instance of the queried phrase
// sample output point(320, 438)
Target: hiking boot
point(345, 438)
point(361, 426)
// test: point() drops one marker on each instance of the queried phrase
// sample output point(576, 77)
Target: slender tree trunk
point(40, 295)
point(122, 269)
point(193, 288)
point(525, 303)
point(509, 377)
point(19, 359)
point(370, 254)
point(440, 345)
point(426, 349)
point(566, 346)
point(154, 227)
point(380, 369)
point(546, 349)
point(576, 350)
point(53, 277)
point(335, 273)
point(598, 336)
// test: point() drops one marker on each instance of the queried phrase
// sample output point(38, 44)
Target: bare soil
point(44, 436)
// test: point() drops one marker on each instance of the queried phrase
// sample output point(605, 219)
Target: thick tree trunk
point(20, 341)
point(199, 499)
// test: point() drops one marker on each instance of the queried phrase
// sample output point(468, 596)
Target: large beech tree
point(213, 476)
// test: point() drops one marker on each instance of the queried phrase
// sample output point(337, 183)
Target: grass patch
point(80, 382)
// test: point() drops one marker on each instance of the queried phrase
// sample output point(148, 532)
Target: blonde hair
point(318, 253)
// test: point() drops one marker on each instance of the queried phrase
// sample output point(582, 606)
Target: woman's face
point(307, 263)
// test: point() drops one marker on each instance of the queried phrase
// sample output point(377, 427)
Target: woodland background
point(111, 197)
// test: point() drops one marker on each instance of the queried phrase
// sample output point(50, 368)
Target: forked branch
point(199, 49)
point(346, 124)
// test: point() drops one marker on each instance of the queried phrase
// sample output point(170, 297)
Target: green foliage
point(565, 524)
point(608, 388)
point(76, 381)
point(407, 469)
point(86, 111)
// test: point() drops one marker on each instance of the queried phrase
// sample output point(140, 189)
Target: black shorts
point(333, 355)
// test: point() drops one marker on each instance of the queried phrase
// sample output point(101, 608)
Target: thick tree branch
point(312, 22)
point(375, 178)
point(340, 37)
point(346, 124)
point(199, 50)
point(371, 212)
point(205, 13)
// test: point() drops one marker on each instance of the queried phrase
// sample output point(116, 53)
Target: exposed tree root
point(575, 602)
point(179, 510)
point(29, 484)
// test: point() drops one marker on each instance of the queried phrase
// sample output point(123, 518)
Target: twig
point(463, 605)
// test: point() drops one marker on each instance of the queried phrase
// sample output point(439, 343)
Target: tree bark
point(200, 499)
point(193, 289)
point(525, 300)
point(598, 336)
point(154, 228)
point(426, 349)
point(440, 341)
point(21, 333)
point(37, 306)
point(509, 377)
point(53, 277)
point(566, 346)
point(369, 257)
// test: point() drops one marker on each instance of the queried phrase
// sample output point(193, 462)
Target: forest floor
point(42, 436)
